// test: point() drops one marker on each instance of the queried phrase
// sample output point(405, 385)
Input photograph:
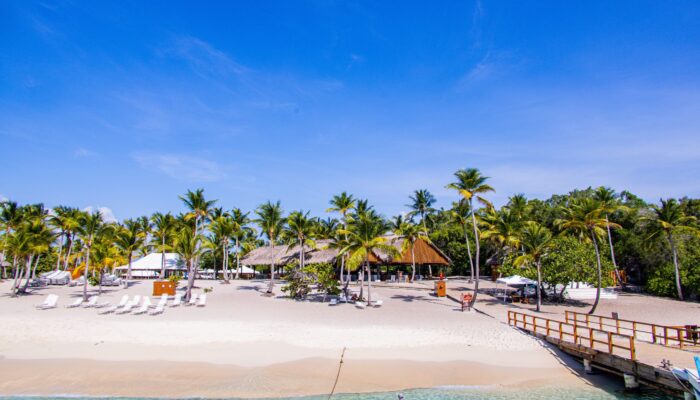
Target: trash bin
point(440, 288)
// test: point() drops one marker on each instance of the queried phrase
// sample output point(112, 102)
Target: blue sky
point(126, 105)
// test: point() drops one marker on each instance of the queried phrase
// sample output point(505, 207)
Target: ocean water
point(447, 393)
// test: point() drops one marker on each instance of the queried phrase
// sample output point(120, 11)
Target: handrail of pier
point(565, 331)
point(670, 336)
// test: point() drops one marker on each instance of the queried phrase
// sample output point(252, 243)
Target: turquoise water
point(445, 394)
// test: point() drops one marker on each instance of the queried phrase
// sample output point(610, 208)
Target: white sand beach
point(243, 344)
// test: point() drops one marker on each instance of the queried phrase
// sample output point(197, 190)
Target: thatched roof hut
point(425, 253)
point(283, 254)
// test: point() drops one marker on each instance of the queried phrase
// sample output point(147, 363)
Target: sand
point(243, 344)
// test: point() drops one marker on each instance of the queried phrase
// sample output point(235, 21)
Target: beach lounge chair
point(360, 304)
point(377, 303)
point(334, 302)
point(144, 307)
point(112, 309)
point(92, 301)
point(202, 300)
point(160, 308)
point(128, 306)
point(193, 300)
point(177, 300)
point(49, 302)
point(76, 303)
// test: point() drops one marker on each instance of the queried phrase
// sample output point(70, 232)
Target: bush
point(174, 279)
point(301, 283)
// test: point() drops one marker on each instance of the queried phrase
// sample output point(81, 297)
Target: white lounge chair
point(112, 309)
point(49, 302)
point(202, 300)
point(160, 308)
point(360, 304)
point(76, 303)
point(92, 301)
point(193, 300)
point(144, 307)
point(128, 306)
point(334, 302)
point(177, 300)
point(163, 299)
point(377, 303)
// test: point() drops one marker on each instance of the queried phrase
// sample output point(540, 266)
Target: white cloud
point(107, 214)
point(83, 152)
point(183, 167)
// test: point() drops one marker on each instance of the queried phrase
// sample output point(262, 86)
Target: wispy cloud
point(107, 213)
point(82, 152)
point(181, 167)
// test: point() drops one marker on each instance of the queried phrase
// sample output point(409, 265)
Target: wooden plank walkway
point(609, 351)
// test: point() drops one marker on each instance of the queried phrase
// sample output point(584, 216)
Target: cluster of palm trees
point(84, 242)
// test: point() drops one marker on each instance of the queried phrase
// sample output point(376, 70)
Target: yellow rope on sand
point(337, 376)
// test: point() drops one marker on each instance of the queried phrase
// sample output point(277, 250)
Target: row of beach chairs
point(126, 305)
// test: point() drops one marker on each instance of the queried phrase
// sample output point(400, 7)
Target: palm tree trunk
point(226, 279)
point(190, 279)
point(271, 288)
point(369, 283)
point(162, 260)
point(612, 252)
point(413, 263)
point(600, 273)
point(675, 266)
point(27, 274)
point(87, 268)
point(238, 260)
point(128, 271)
point(539, 284)
point(60, 252)
point(469, 253)
point(476, 259)
point(16, 274)
point(36, 264)
point(71, 239)
point(4, 254)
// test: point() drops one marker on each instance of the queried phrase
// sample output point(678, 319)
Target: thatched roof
point(283, 254)
point(425, 253)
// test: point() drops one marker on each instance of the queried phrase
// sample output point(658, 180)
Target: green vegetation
point(590, 235)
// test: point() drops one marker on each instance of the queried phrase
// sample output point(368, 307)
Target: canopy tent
point(243, 270)
point(150, 266)
point(515, 281)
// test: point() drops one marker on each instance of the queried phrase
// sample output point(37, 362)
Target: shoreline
point(301, 378)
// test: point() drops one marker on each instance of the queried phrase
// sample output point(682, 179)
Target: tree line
point(584, 235)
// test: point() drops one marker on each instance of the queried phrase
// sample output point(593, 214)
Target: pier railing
point(682, 337)
point(590, 337)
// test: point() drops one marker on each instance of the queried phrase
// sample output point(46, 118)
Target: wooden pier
point(610, 350)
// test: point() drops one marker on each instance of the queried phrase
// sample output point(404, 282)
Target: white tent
point(150, 265)
point(515, 281)
point(244, 270)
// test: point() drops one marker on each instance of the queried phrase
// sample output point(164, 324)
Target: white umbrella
point(515, 280)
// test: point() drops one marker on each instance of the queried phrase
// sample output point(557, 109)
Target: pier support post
point(631, 382)
point(587, 367)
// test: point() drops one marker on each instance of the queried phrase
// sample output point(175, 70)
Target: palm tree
point(300, 231)
point(421, 204)
point(609, 203)
point(90, 226)
point(470, 183)
point(199, 211)
point(187, 245)
point(668, 220)
point(10, 219)
point(241, 230)
point(501, 227)
point(584, 218)
point(410, 233)
point(460, 214)
point(222, 228)
point(72, 227)
point(536, 241)
point(20, 244)
point(163, 230)
point(130, 238)
point(271, 224)
point(365, 236)
point(326, 228)
point(342, 203)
